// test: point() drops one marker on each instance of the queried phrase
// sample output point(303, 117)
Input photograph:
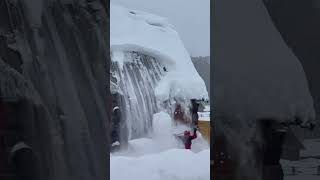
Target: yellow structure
point(205, 128)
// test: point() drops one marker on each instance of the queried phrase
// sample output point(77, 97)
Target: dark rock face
point(54, 62)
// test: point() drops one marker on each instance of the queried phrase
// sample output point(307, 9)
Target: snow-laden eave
point(152, 35)
point(165, 59)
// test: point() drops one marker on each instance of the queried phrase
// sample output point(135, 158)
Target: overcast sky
point(191, 19)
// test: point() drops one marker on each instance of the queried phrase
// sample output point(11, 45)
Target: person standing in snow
point(194, 112)
point(116, 117)
point(187, 138)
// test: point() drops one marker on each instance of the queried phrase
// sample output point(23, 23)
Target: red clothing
point(188, 140)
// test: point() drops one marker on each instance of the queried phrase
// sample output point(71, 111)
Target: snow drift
point(161, 139)
point(160, 156)
point(175, 164)
point(152, 35)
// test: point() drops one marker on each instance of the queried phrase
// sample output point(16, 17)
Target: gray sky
point(191, 19)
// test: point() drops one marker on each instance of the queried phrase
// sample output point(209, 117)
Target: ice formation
point(152, 35)
point(150, 66)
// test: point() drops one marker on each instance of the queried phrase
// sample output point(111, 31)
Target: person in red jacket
point(188, 138)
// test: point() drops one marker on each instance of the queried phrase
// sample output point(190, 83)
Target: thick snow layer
point(162, 157)
point(256, 75)
point(162, 138)
point(152, 35)
point(207, 108)
point(204, 116)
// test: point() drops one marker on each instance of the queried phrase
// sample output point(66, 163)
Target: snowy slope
point(154, 36)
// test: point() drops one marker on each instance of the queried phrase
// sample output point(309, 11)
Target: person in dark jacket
point(194, 112)
point(116, 118)
point(187, 138)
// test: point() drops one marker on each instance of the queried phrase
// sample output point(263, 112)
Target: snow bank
point(174, 164)
point(204, 116)
point(162, 157)
point(162, 139)
point(154, 36)
point(207, 108)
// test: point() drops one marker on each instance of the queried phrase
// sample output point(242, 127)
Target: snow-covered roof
point(204, 116)
point(256, 75)
point(132, 30)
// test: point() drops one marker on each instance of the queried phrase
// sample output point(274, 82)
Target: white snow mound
point(152, 35)
point(162, 139)
point(174, 164)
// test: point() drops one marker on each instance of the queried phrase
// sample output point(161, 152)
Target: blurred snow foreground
point(161, 156)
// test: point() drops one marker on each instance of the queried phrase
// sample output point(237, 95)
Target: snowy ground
point(161, 156)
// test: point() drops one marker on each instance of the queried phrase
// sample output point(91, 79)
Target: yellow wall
point(204, 128)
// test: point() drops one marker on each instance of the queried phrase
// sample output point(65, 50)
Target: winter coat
point(24, 161)
point(188, 140)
